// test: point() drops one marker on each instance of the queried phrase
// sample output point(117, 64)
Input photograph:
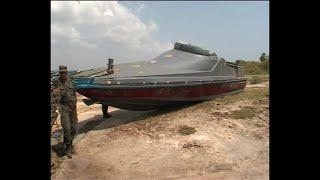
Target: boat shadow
point(119, 117)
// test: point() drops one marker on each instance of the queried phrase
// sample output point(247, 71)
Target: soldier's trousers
point(69, 122)
point(104, 110)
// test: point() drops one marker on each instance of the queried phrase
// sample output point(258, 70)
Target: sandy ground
point(150, 145)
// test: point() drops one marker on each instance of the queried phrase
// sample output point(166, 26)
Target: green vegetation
point(255, 67)
point(244, 113)
point(186, 130)
point(256, 95)
point(256, 80)
point(253, 94)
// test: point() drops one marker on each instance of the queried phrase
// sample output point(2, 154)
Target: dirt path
point(209, 140)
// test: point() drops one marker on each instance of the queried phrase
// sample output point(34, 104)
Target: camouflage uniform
point(69, 119)
point(54, 105)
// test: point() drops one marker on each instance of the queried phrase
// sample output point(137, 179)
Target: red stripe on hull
point(163, 93)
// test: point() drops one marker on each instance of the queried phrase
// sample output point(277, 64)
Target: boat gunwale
point(159, 85)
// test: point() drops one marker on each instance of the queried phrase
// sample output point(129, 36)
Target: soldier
point(68, 101)
point(54, 100)
point(105, 111)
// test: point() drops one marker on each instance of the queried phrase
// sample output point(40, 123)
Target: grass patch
point(244, 113)
point(253, 94)
point(255, 67)
point(186, 130)
point(248, 94)
point(255, 79)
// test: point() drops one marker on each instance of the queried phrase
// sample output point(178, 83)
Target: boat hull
point(142, 98)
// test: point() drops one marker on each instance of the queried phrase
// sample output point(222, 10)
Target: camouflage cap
point(63, 68)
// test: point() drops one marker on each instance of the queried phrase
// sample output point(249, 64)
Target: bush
point(254, 67)
point(255, 80)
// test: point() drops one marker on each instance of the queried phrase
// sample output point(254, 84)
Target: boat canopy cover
point(182, 60)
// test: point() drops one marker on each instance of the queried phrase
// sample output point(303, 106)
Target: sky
point(85, 34)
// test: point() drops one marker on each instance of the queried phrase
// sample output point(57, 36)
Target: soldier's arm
point(74, 88)
point(55, 85)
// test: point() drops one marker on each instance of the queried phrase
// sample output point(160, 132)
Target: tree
point(264, 58)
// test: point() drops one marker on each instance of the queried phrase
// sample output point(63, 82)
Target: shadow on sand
point(118, 117)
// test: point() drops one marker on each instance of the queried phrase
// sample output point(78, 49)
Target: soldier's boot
point(68, 151)
point(107, 115)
